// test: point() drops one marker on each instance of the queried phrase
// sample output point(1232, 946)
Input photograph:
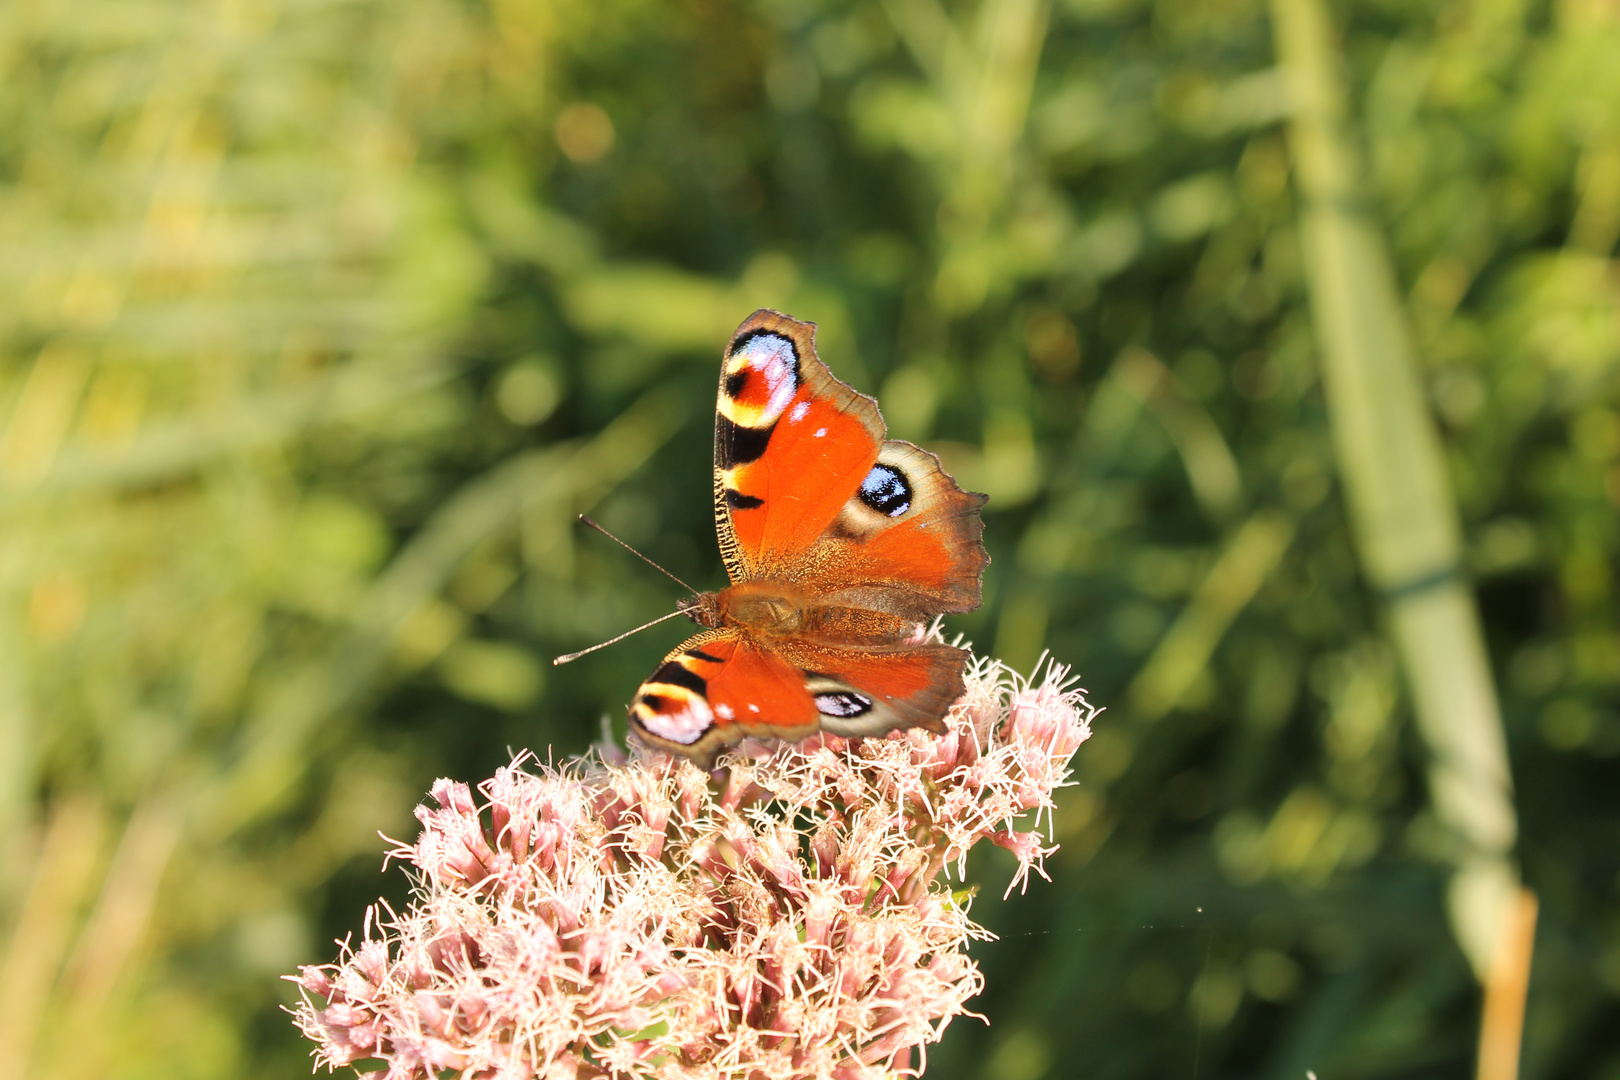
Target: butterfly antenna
point(640, 556)
point(614, 641)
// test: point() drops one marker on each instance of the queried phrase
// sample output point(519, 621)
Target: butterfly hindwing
point(716, 689)
point(877, 689)
point(908, 541)
point(720, 687)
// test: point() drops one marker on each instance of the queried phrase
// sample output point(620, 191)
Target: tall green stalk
point(1402, 507)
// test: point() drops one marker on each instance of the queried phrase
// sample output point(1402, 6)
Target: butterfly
point(841, 547)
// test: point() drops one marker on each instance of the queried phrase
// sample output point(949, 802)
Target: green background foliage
point(320, 321)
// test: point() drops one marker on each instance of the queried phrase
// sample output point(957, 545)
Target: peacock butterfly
point(841, 547)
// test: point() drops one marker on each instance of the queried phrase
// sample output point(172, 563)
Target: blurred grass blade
point(1400, 498)
point(63, 877)
point(928, 32)
point(18, 739)
point(1211, 469)
point(43, 412)
point(179, 446)
point(117, 925)
point(1226, 590)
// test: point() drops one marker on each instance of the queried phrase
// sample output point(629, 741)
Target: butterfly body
point(841, 547)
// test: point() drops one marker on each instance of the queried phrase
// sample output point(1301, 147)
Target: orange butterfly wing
point(791, 445)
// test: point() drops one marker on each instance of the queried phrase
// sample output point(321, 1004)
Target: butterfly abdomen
point(858, 626)
point(772, 609)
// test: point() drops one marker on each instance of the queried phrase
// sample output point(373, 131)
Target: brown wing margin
point(872, 691)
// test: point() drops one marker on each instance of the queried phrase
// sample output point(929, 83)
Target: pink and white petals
point(614, 916)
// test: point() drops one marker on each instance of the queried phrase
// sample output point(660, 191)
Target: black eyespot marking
point(843, 703)
point(735, 383)
point(886, 490)
point(738, 445)
point(737, 500)
point(656, 702)
point(699, 654)
point(673, 674)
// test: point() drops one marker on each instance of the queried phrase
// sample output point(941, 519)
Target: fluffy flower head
point(627, 915)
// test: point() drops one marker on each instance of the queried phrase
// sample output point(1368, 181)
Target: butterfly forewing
point(792, 445)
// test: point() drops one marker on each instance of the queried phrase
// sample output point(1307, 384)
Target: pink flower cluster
point(629, 916)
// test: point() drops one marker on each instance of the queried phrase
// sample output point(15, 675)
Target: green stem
point(1402, 509)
